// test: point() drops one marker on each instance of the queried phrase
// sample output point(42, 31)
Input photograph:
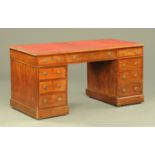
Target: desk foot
point(39, 113)
point(121, 101)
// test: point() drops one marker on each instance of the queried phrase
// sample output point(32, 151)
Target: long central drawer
point(77, 57)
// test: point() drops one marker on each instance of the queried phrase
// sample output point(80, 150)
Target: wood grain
point(24, 83)
point(102, 77)
point(23, 58)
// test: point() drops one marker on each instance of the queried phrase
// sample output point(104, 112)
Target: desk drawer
point(77, 57)
point(52, 100)
point(52, 86)
point(52, 73)
point(129, 76)
point(49, 60)
point(130, 52)
point(130, 64)
point(130, 89)
point(91, 56)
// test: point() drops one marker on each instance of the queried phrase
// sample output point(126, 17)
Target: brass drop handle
point(124, 76)
point(45, 100)
point(124, 65)
point(52, 58)
point(135, 88)
point(74, 57)
point(59, 86)
point(59, 98)
point(59, 59)
point(123, 90)
point(58, 72)
point(45, 87)
point(45, 73)
point(45, 61)
point(135, 75)
point(135, 62)
point(109, 53)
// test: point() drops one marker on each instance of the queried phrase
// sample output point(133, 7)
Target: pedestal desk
point(39, 74)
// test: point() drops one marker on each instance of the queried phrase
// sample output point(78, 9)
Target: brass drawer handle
point(74, 57)
point(109, 53)
point(58, 72)
point(45, 87)
point(59, 86)
point(59, 98)
point(124, 65)
point(124, 76)
point(45, 73)
point(45, 100)
point(52, 58)
point(135, 63)
point(45, 60)
point(123, 90)
point(59, 59)
point(135, 88)
point(135, 75)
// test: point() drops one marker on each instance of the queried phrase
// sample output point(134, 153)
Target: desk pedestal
point(118, 82)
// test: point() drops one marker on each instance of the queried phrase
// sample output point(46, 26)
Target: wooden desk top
point(73, 47)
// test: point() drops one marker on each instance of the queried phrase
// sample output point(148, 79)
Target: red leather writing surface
point(71, 47)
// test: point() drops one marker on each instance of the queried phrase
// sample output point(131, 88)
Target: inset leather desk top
point(73, 47)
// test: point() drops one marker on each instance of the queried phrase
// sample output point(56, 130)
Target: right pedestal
point(118, 82)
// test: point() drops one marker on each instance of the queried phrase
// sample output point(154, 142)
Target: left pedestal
point(38, 91)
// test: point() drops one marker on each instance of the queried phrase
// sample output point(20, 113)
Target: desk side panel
point(23, 58)
point(24, 83)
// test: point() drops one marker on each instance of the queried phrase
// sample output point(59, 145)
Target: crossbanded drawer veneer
point(39, 74)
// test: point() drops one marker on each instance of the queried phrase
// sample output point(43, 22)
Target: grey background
point(83, 110)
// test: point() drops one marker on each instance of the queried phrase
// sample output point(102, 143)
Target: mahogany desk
point(39, 74)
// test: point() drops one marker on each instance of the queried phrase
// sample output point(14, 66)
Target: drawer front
point(92, 56)
point(52, 86)
point(129, 76)
point(130, 52)
point(52, 100)
point(134, 88)
point(130, 64)
point(78, 57)
point(52, 73)
point(49, 60)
